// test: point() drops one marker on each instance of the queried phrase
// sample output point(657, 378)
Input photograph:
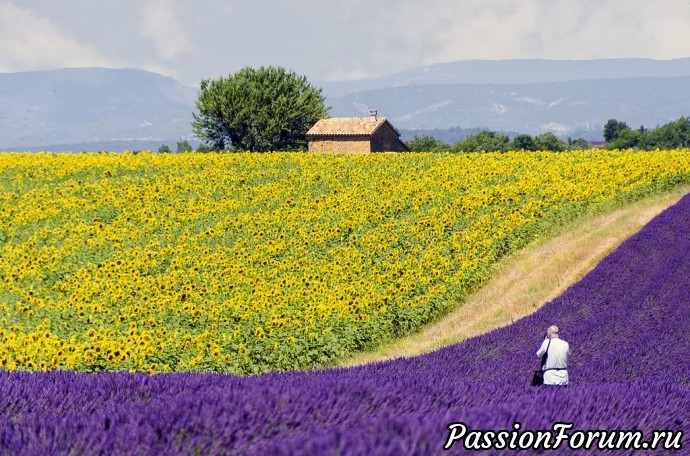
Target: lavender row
point(627, 324)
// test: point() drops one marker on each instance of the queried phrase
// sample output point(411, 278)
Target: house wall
point(385, 139)
point(357, 145)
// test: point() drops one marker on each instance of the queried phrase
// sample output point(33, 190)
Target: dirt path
point(529, 279)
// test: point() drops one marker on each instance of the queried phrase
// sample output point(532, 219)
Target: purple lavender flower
point(627, 323)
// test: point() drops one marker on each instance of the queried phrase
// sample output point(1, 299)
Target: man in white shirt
point(555, 369)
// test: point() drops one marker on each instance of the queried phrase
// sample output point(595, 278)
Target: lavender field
point(627, 323)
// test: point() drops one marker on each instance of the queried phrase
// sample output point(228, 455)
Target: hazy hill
point(91, 105)
point(576, 108)
point(569, 97)
point(109, 109)
point(523, 71)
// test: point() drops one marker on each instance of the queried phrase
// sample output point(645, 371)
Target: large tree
point(261, 109)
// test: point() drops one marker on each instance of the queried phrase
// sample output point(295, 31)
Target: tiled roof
point(347, 126)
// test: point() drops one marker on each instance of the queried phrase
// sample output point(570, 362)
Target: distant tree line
point(184, 146)
point(447, 135)
point(676, 134)
point(617, 134)
point(491, 141)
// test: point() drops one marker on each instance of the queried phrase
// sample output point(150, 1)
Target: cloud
point(554, 29)
point(161, 25)
point(352, 39)
point(348, 39)
point(31, 42)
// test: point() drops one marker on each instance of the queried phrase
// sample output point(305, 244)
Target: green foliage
point(484, 141)
point(613, 128)
point(164, 149)
point(184, 146)
point(625, 139)
point(204, 148)
point(578, 144)
point(426, 143)
point(549, 141)
point(265, 109)
point(490, 141)
point(524, 142)
point(672, 135)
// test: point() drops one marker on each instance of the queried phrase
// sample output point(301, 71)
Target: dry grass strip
point(529, 279)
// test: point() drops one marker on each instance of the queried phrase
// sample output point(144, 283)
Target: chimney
point(373, 115)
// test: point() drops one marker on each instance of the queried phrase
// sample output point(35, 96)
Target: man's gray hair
point(553, 330)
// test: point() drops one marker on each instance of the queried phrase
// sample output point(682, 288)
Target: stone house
point(355, 135)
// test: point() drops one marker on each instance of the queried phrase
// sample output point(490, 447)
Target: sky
point(324, 40)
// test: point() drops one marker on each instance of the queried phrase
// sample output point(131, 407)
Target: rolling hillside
point(91, 106)
point(571, 108)
point(119, 109)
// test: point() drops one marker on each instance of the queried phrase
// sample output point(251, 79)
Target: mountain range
point(91, 108)
point(120, 109)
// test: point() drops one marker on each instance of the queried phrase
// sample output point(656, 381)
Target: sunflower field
point(248, 263)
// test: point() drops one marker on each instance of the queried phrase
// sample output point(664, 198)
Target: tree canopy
point(488, 141)
point(491, 141)
point(426, 143)
point(262, 109)
point(549, 141)
point(524, 142)
point(674, 134)
point(184, 146)
point(612, 128)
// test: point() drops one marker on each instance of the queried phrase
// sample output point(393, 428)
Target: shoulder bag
point(538, 377)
